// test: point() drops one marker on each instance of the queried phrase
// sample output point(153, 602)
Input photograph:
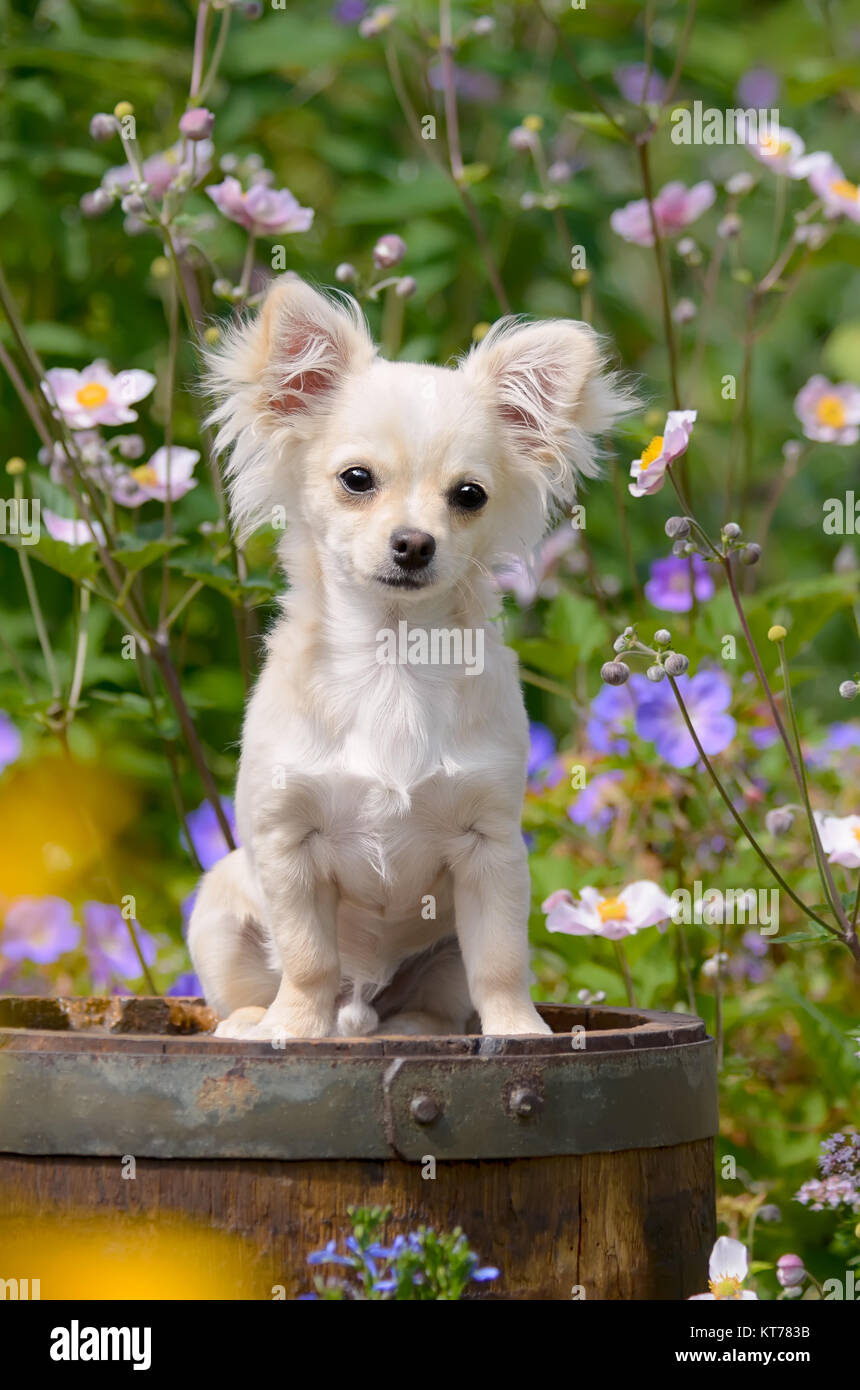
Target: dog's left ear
point(547, 384)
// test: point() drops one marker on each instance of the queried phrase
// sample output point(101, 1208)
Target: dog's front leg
point(301, 914)
point(491, 904)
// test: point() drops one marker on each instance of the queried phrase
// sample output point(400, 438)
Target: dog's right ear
point(273, 378)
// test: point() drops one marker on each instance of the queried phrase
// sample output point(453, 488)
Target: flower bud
point(95, 203)
point(212, 335)
point(790, 1271)
point(675, 664)
point(520, 138)
point(197, 124)
point(405, 287)
point(122, 109)
point(729, 226)
point(620, 644)
point(102, 127)
point(581, 277)
point(849, 690)
point(129, 446)
point(739, 184)
point(484, 24)
point(683, 548)
point(684, 311)
point(15, 467)
point(655, 674)
point(780, 820)
point(770, 1212)
point(732, 531)
point(252, 9)
point(677, 527)
point(751, 554)
point(222, 289)
point(389, 251)
point(133, 203)
point(777, 633)
point(528, 201)
point(615, 673)
point(662, 637)
point(559, 171)
point(344, 273)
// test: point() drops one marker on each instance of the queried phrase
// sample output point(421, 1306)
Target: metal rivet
point(524, 1101)
point(424, 1109)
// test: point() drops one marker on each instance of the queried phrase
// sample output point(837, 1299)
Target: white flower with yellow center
point(96, 396)
point(649, 470)
point(727, 1269)
point(829, 413)
point(166, 475)
point(779, 148)
point(839, 195)
point(840, 839)
point(641, 904)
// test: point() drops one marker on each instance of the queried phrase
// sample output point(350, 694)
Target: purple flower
point(596, 806)
point(197, 124)
point(261, 210)
point(348, 11)
point(545, 769)
point(161, 170)
point(612, 711)
point(39, 929)
point(109, 946)
point(637, 85)
point(10, 741)
point(675, 207)
point(207, 837)
point(186, 986)
point(659, 720)
point(758, 89)
point(671, 582)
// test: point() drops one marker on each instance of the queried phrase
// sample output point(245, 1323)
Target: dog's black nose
point(411, 549)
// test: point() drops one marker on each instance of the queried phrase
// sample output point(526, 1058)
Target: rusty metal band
point(209, 1106)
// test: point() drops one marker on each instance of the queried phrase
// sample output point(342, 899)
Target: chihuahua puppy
point(382, 884)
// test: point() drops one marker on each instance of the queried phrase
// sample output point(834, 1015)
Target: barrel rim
point(178, 1024)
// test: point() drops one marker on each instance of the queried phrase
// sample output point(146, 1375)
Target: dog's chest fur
point(383, 778)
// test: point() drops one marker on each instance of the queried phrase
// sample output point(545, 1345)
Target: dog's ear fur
point(273, 378)
point(552, 395)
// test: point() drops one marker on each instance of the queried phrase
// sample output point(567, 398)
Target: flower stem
point(738, 818)
point(624, 966)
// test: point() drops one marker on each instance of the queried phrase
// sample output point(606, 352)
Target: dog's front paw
point(512, 1020)
point(241, 1023)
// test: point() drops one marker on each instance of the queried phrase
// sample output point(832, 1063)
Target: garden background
point(103, 804)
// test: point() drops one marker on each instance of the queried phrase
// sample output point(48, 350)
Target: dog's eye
point(468, 496)
point(357, 479)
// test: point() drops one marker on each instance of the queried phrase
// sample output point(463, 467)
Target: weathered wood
point(558, 1200)
point(617, 1226)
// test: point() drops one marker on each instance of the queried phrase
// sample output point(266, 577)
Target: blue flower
point(545, 769)
point(594, 807)
point(207, 837)
point(707, 696)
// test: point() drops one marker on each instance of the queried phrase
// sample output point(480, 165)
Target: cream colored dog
point(382, 884)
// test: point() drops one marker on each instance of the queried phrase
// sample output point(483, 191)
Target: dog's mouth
point(406, 579)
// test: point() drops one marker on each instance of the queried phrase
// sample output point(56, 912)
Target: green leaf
point(76, 562)
point(598, 124)
point(474, 173)
point(577, 622)
point(223, 581)
point(135, 554)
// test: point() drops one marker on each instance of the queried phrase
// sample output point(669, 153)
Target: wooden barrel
point(581, 1163)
